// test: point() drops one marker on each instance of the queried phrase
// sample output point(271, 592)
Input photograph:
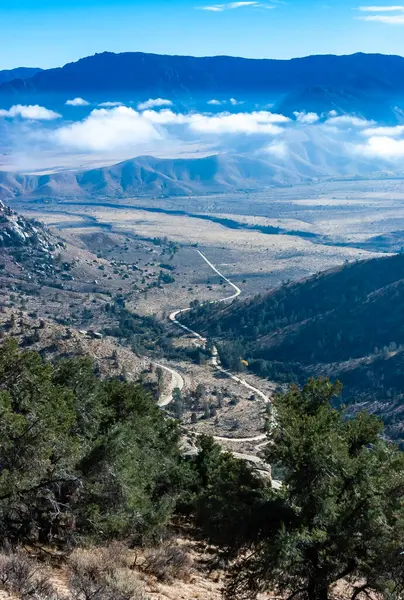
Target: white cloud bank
point(110, 129)
point(106, 130)
point(122, 131)
point(33, 112)
point(77, 102)
point(248, 123)
point(154, 103)
point(384, 131)
point(382, 147)
point(225, 122)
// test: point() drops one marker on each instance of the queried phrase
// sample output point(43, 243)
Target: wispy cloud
point(385, 15)
point(233, 5)
point(110, 104)
point(348, 121)
point(388, 19)
point(381, 8)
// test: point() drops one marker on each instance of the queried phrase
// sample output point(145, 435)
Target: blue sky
point(49, 33)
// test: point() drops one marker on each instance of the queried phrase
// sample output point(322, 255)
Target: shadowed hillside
point(346, 323)
point(18, 73)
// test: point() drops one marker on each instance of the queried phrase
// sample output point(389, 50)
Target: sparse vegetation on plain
point(95, 475)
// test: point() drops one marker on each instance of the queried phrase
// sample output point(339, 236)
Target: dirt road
point(215, 360)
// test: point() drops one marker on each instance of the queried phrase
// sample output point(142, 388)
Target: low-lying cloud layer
point(155, 126)
point(108, 130)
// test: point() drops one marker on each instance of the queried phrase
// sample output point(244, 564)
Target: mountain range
point(18, 73)
point(308, 160)
point(358, 83)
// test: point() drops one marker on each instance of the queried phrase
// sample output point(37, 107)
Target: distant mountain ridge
point(18, 73)
point(143, 175)
point(218, 173)
point(152, 74)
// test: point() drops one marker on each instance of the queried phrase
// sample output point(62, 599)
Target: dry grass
point(169, 562)
point(103, 574)
point(21, 577)
point(90, 574)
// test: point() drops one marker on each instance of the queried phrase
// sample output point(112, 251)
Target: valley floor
point(119, 247)
point(320, 226)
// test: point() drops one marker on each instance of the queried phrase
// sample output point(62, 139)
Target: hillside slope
point(26, 246)
point(312, 156)
point(346, 323)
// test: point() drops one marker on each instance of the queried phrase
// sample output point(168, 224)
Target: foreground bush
point(80, 456)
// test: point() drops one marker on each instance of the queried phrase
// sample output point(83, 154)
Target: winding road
point(178, 381)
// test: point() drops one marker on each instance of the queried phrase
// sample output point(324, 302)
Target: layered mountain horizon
point(370, 84)
point(135, 123)
point(214, 174)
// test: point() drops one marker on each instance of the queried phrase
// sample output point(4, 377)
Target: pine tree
point(342, 509)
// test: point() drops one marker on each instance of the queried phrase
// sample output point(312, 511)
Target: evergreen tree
point(178, 403)
point(342, 505)
point(80, 456)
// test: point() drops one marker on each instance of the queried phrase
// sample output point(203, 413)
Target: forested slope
point(347, 323)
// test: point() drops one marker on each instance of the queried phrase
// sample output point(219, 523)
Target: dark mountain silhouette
point(152, 74)
point(375, 102)
point(18, 73)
